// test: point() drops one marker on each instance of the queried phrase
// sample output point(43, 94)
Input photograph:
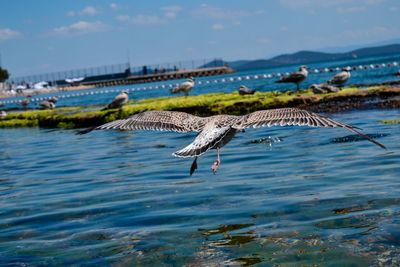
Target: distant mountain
point(306, 57)
point(219, 62)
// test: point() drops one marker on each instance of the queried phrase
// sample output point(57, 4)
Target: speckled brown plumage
point(216, 131)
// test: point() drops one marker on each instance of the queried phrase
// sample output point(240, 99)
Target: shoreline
point(49, 91)
point(132, 79)
point(375, 97)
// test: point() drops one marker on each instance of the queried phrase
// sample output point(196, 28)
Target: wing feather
point(159, 121)
point(293, 116)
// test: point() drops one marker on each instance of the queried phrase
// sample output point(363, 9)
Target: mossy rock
point(391, 121)
point(201, 105)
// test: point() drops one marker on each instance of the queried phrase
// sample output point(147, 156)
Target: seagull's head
point(346, 69)
point(303, 67)
point(191, 78)
point(124, 92)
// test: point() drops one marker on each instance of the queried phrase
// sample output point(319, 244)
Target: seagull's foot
point(215, 166)
point(194, 166)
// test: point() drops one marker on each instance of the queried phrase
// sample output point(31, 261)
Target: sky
point(46, 36)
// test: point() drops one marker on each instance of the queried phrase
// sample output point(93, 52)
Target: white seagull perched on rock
point(340, 78)
point(244, 90)
point(216, 131)
point(47, 104)
point(323, 88)
point(118, 101)
point(184, 87)
point(295, 77)
point(3, 114)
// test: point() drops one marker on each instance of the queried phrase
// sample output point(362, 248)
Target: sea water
point(283, 196)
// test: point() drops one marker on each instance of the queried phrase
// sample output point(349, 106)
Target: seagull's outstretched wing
point(159, 121)
point(206, 140)
point(293, 116)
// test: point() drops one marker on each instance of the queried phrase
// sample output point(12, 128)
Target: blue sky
point(47, 35)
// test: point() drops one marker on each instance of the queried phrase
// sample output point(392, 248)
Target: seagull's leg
point(216, 164)
point(298, 86)
point(194, 166)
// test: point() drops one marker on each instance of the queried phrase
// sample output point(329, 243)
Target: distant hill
point(219, 62)
point(305, 57)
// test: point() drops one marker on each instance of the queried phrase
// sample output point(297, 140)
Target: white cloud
point(8, 34)
point(375, 2)
point(142, 19)
point(114, 6)
point(294, 4)
point(283, 28)
point(217, 27)
point(81, 28)
point(355, 36)
point(371, 34)
point(86, 11)
point(218, 13)
point(352, 9)
point(123, 18)
point(71, 13)
point(147, 20)
point(259, 12)
point(264, 41)
point(90, 11)
point(170, 12)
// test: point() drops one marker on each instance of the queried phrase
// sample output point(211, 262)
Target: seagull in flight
point(295, 77)
point(216, 131)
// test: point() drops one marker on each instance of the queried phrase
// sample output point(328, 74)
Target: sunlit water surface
point(282, 196)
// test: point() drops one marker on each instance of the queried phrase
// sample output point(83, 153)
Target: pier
point(161, 76)
point(121, 74)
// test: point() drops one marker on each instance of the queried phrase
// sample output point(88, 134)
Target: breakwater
point(163, 76)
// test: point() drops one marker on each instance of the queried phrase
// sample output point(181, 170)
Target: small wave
point(266, 140)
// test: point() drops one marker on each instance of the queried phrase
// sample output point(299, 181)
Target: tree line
point(3, 74)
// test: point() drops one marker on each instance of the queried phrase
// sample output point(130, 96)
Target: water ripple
point(282, 196)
